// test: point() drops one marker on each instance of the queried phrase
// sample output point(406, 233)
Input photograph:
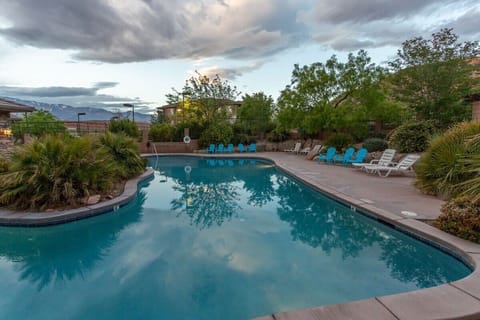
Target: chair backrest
point(348, 153)
point(361, 154)
point(297, 147)
point(317, 148)
point(330, 153)
point(230, 147)
point(220, 147)
point(252, 147)
point(387, 157)
point(241, 147)
point(211, 147)
point(407, 162)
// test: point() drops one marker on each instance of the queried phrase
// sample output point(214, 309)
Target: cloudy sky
point(97, 52)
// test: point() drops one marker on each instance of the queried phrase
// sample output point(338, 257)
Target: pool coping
point(47, 218)
point(455, 300)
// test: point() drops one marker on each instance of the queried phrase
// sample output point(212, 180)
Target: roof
point(10, 106)
point(225, 102)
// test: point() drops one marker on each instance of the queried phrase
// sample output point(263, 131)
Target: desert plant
point(125, 153)
point(461, 217)
point(471, 186)
point(125, 126)
point(447, 163)
point(375, 144)
point(161, 132)
point(56, 171)
point(412, 137)
point(4, 164)
point(339, 141)
point(216, 134)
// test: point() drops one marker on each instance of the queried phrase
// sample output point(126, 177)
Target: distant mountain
point(69, 113)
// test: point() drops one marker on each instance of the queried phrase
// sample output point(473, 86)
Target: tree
point(37, 124)
point(255, 113)
point(204, 99)
point(433, 77)
point(124, 126)
point(334, 95)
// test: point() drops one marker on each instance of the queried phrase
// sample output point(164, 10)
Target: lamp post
point(133, 109)
point(78, 121)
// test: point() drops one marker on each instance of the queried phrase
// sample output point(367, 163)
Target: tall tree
point(255, 113)
point(333, 95)
point(203, 99)
point(434, 76)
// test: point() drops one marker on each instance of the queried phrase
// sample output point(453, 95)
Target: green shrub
point(124, 151)
point(4, 164)
point(222, 133)
point(56, 171)
point(461, 217)
point(375, 144)
point(161, 132)
point(339, 141)
point(449, 161)
point(376, 134)
point(37, 124)
point(124, 126)
point(412, 137)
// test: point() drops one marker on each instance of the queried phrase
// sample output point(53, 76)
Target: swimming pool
point(211, 239)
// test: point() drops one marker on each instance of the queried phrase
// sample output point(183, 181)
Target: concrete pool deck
point(380, 198)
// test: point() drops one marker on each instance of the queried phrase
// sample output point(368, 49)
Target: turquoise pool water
point(211, 239)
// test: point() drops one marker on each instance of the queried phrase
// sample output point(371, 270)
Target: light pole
point(78, 121)
point(133, 109)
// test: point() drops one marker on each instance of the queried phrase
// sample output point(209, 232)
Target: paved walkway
point(395, 193)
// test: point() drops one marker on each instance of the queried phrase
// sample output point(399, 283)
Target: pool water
point(211, 239)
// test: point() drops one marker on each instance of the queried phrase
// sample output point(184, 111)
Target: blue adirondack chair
point(241, 148)
point(211, 148)
point(344, 157)
point(359, 157)
point(252, 147)
point(221, 148)
point(229, 148)
point(327, 157)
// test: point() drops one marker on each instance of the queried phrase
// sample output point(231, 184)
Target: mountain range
point(69, 113)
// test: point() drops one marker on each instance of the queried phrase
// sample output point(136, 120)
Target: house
point(6, 109)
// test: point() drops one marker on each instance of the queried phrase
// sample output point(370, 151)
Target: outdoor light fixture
point(78, 120)
point(133, 109)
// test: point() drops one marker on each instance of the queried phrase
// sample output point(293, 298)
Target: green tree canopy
point(334, 95)
point(37, 124)
point(434, 76)
point(255, 113)
point(204, 99)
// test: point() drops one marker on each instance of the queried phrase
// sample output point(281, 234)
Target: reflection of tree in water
point(258, 183)
point(409, 262)
point(321, 226)
point(207, 203)
point(59, 253)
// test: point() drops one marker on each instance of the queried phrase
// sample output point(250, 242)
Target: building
point(172, 113)
point(6, 109)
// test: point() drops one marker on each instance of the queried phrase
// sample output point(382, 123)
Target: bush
point(56, 171)
point(222, 133)
point(445, 164)
point(37, 124)
point(161, 132)
point(195, 130)
point(461, 217)
point(339, 141)
point(4, 164)
point(125, 152)
point(124, 126)
point(412, 137)
point(376, 134)
point(375, 144)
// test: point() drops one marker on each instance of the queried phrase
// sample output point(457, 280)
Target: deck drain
point(409, 213)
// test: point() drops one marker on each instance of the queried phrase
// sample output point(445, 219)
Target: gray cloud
point(55, 92)
point(118, 31)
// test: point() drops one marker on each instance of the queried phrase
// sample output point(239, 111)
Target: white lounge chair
point(295, 149)
point(305, 150)
point(385, 160)
point(314, 152)
point(404, 165)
